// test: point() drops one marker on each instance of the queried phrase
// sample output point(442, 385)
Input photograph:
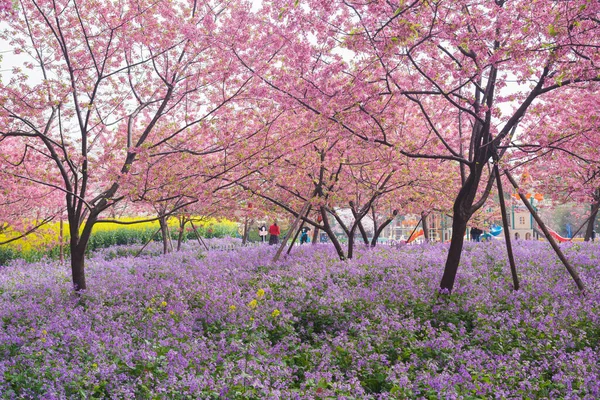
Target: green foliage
point(119, 236)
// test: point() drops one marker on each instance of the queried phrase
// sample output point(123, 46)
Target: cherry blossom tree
point(448, 62)
point(111, 74)
point(560, 149)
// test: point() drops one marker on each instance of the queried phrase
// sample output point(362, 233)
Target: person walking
point(304, 235)
point(476, 234)
point(274, 232)
point(262, 232)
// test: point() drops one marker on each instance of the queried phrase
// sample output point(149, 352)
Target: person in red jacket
point(274, 232)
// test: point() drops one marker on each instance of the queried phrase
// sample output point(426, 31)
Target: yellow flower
point(232, 308)
point(43, 340)
point(275, 313)
point(253, 304)
point(260, 294)
point(171, 312)
point(44, 332)
point(163, 304)
point(94, 365)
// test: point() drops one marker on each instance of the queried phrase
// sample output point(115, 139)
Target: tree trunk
point(302, 214)
point(245, 234)
point(315, 236)
point(462, 212)
point(351, 240)
point(459, 228)
point(511, 258)
point(78, 244)
point(382, 227)
point(363, 232)
point(592, 220)
point(425, 224)
point(331, 235)
point(165, 234)
point(78, 266)
point(198, 237)
point(295, 238)
point(544, 229)
point(180, 236)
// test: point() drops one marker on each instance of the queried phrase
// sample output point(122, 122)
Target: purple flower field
point(228, 324)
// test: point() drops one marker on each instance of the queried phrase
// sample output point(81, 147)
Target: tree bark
point(165, 234)
point(302, 214)
point(78, 244)
point(78, 267)
point(511, 258)
point(425, 224)
point(245, 234)
point(462, 211)
point(147, 242)
point(198, 237)
point(330, 234)
point(592, 220)
point(181, 231)
point(553, 243)
point(351, 240)
point(315, 236)
point(361, 228)
point(382, 227)
point(459, 228)
point(295, 238)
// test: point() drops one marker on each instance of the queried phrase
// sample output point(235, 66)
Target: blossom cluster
point(232, 324)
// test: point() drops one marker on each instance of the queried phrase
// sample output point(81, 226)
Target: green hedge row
point(122, 236)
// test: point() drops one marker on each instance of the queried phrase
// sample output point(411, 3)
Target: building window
point(522, 220)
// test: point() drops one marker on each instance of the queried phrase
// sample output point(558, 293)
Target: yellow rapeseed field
point(48, 235)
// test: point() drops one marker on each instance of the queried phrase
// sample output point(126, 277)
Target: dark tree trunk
point(245, 234)
point(374, 216)
point(363, 233)
point(425, 224)
point(78, 244)
point(315, 236)
point(511, 258)
point(544, 229)
point(180, 236)
point(295, 237)
point(165, 234)
point(462, 212)
point(382, 227)
point(459, 228)
point(351, 240)
point(78, 267)
point(361, 228)
point(330, 234)
point(301, 215)
point(592, 220)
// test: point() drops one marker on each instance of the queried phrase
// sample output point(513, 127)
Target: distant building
point(521, 224)
point(440, 227)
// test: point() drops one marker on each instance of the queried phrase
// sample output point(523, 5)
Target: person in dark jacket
point(476, 234)
point(304, 235)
